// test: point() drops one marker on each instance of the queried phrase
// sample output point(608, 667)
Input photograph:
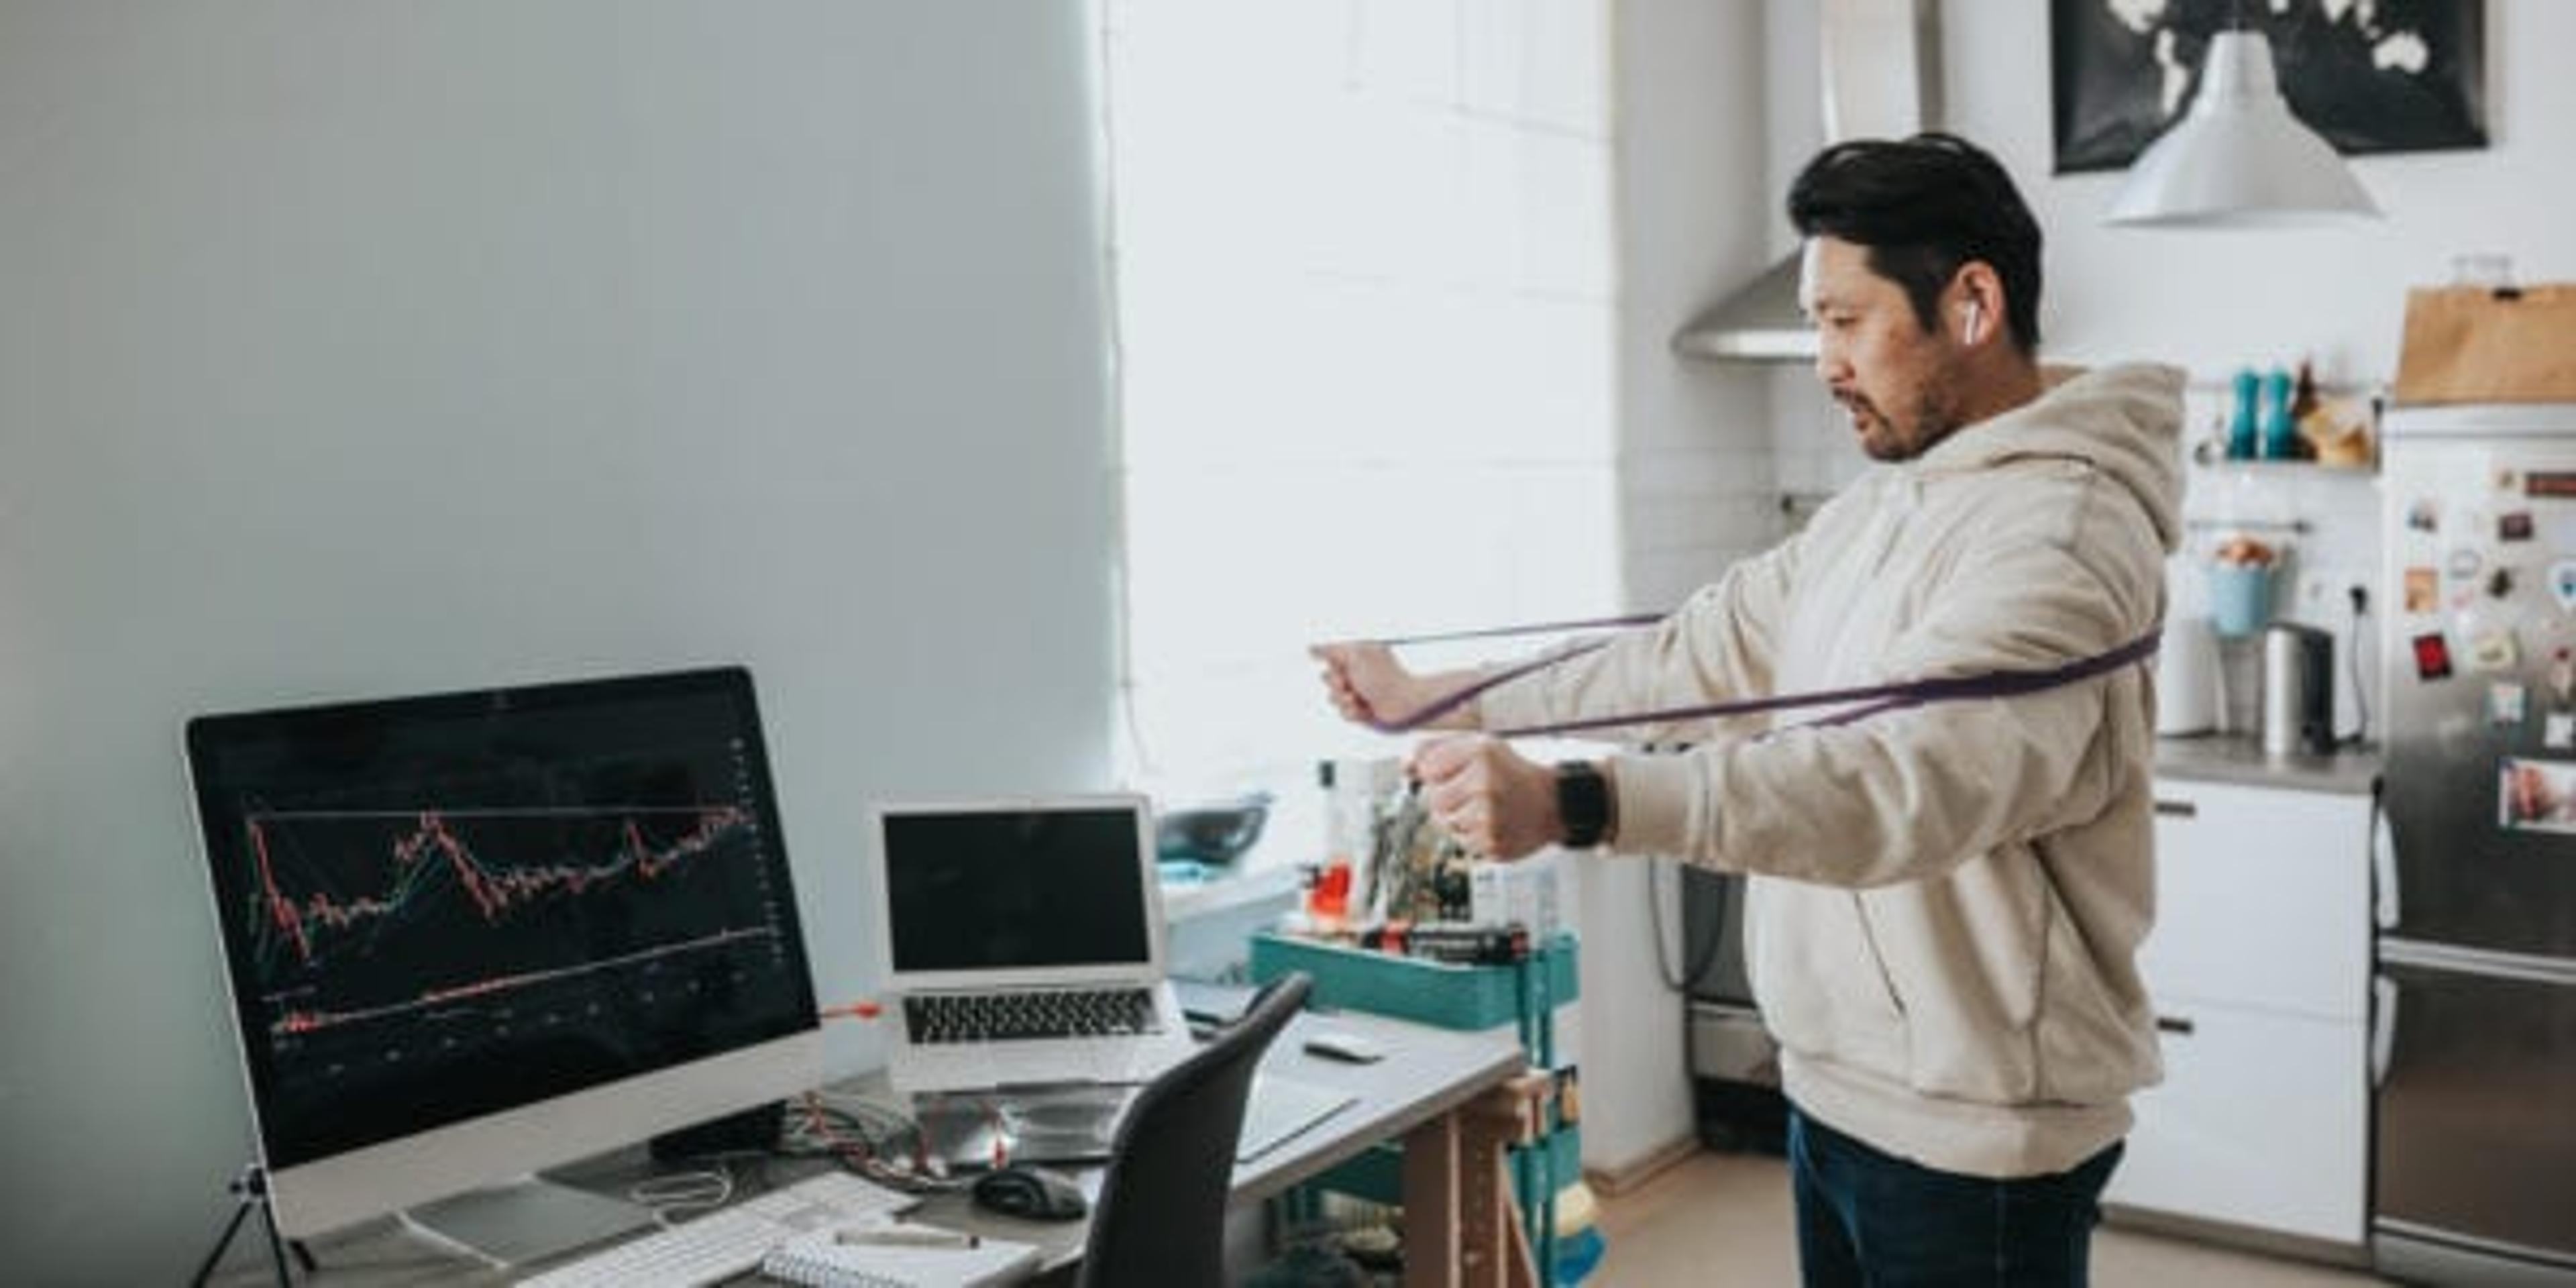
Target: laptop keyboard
point(1003, 1017)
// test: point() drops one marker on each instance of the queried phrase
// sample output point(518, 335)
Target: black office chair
point(1160, 1217)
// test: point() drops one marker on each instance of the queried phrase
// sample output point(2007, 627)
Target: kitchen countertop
point(2232, 758)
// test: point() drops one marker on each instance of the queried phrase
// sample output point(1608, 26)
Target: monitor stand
point(524, 1220)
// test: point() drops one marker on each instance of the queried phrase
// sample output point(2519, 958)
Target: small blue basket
point(2240, 598)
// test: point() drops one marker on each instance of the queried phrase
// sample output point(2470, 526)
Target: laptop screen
point(1005, 888)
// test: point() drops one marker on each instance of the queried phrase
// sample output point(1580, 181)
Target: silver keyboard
point(730, 1240)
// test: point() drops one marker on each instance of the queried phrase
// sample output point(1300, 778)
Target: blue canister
point(2240, 429)
point(2280, 437)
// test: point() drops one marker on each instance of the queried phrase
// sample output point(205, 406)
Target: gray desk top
point(1427, 1072)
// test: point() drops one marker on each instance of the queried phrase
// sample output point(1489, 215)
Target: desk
point(1426, 1092)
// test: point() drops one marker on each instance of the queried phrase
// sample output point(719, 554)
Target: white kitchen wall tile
point(1570, 89)
point(1543, 62)
point(1659, 523)
point(1549, 577)
point(1544, 383)
point(1712, 473)
point(1392, 175)
point(1408, 49)
point(1494, 53)
point(1563, 203)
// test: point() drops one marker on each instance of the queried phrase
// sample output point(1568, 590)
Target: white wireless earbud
point(1968, 329)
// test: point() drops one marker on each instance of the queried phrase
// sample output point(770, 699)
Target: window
point(1362, 260)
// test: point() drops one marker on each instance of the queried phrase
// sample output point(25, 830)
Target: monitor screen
point(1003, 887)
point(439, 910)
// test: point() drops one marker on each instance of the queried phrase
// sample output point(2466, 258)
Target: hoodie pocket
point(1820, 982)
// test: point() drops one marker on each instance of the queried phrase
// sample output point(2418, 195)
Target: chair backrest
point(1160, 1217)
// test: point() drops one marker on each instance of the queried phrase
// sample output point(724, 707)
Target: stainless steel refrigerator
point(2473, 1053)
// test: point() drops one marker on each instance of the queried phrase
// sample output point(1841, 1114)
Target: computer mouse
point(1031, 1193)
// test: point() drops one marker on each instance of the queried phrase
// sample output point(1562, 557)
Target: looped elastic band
point(1875, 699)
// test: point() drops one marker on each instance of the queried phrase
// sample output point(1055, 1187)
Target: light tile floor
point(1722, 1220)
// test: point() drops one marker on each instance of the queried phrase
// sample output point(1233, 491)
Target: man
point(1946, 899)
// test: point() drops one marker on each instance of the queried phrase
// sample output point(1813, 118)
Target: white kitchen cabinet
point(2262, 900)
point(2259, 967)
point(2262, 1121)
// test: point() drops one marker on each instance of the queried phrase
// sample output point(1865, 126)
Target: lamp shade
point(2238, 158)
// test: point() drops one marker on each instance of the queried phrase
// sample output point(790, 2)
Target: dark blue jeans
point(1873, 1220)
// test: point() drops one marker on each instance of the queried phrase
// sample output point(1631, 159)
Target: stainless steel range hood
point(1881, 80)
point(1760, 323)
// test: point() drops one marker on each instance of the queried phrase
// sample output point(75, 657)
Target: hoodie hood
point(2124, 420)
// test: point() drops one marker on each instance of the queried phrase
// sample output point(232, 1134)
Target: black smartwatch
point(1582, 803)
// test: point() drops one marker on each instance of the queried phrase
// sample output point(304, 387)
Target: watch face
point(1582, 803)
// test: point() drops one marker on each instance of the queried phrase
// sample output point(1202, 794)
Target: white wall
point(376, 347)
point(1695, 483)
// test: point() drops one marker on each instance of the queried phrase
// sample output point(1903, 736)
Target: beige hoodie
point(1946, 901)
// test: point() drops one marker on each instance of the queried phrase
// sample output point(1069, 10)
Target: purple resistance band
point(1876, 697)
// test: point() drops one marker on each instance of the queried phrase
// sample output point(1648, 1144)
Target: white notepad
point(820, 1257)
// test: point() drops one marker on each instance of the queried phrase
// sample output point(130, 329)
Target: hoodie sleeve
point(1911, 793)
point(1718, 645)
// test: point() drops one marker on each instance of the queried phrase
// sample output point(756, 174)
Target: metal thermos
point(2298, 690)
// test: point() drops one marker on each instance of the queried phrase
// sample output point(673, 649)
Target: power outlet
point(2323, 596)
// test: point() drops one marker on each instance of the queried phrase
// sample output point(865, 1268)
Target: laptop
point(1022, 945)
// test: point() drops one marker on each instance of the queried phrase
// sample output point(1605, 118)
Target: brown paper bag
point(2489, 344)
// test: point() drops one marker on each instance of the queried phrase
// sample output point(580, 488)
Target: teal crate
point(1452, 997)
point(1414, 988)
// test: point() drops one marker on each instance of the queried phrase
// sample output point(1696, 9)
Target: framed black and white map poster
point(2384, 76)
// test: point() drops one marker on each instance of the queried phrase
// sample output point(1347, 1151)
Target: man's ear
point(1982, 300)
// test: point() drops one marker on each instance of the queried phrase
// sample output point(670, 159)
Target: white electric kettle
point(2190, 690)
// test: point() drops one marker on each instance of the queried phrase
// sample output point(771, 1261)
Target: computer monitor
point(474, 934)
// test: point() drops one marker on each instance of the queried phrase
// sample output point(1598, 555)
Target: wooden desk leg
point(1461, 1229)
point(1498, 1253)
point(1431, 1204)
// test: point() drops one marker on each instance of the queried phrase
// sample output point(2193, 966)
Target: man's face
point(1901, 384)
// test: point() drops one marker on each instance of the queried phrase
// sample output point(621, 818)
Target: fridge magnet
point(2432, 657)
point(2425, 515)
point(2507, 704)
point(2536, 795)
point(2463, 563)
point(2494, 651)
point(2424, 589)
point(2558, 731)
point(2562, 678)
point(2514, 526)
point(2500, 584)
point(2562, 584)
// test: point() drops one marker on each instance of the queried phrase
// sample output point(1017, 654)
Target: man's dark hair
point(1924, 206)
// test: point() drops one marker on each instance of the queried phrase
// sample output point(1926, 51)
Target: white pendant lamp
point(2238, 158)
